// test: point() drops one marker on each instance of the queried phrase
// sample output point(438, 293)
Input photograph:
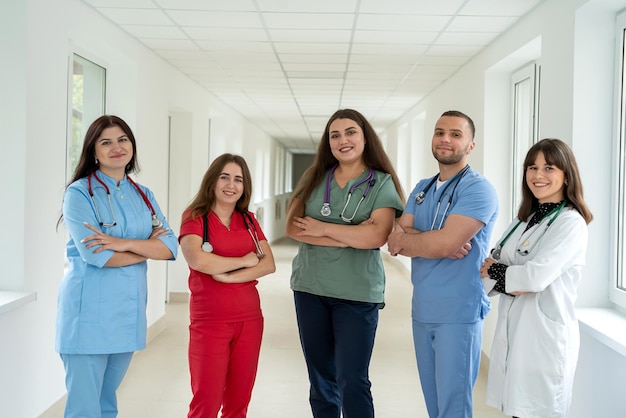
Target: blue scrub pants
point(337, 338)
point(91, 381)
point(448, 359)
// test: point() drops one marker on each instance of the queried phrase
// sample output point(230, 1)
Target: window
point(403, 159)
point(87, 103)
point(617, 290)
point(525, 84)
point(279, 170)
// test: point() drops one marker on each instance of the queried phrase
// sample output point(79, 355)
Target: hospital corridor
point(262, 80)
point(157, 383)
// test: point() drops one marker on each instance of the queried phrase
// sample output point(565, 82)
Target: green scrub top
point(345, 273)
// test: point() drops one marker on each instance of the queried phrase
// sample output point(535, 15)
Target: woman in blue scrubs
point(114, 226)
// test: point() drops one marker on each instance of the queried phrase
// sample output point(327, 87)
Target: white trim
point(605, 325)
point(13, 300)
point(618, 240)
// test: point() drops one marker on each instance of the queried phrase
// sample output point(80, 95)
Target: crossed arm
point(372, 233)
point(227, 269)
point(129, 251)
point(451, 241)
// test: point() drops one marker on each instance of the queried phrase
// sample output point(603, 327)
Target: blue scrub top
point(446, 290)
point(102, 310)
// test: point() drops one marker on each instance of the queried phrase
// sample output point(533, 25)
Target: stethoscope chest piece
point(496, 253)
point(156, 223)
point(207, 247)
point(370, 180)
point(419, 198)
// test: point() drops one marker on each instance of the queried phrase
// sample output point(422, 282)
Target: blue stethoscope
point(421, 196)
point(248, 223)
point(156, 222)
point(325, 211)
point(526, 247)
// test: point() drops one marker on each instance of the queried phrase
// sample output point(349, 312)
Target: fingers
point(94, 229)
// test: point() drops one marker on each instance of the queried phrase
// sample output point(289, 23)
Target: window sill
point(13, 300)
point(606, 325)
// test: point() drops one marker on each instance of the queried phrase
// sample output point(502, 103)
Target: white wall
point(575, 51)
point(37, 37)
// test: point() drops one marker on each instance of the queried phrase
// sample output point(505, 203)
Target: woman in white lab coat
point(536, 268)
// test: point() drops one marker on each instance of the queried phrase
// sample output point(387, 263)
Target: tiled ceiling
point(287, 65)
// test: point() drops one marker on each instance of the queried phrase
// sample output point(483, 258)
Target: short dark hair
point(456, 113)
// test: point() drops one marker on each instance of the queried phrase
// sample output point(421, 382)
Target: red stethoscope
point(156, 222)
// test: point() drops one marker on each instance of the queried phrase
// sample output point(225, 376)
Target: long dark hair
point(87, 162)
point(558, 154)
point(374, 156)
point(205, 198)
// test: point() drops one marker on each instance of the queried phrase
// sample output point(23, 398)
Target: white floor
point(157, 383)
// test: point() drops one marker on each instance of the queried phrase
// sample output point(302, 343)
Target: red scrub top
point(212, 300)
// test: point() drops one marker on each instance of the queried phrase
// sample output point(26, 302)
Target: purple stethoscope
point(370, 180)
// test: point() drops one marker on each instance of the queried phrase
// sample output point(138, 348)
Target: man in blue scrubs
point(445, 229)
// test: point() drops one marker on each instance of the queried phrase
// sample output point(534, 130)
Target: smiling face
point(545, 181)
point(114, 150)
point(229, 186)
point(452, 140)
point(346, 140)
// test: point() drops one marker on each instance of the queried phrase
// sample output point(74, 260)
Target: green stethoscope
point(526, 247)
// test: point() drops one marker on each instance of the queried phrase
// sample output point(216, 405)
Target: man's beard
point(452, 159)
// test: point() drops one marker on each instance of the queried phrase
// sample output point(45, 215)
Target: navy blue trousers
point(337, 338)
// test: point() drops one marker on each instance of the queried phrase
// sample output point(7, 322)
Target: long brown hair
point(374, 156)
point(558, 154)
point(205, 198)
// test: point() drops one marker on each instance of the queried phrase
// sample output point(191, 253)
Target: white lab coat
point(535, 347)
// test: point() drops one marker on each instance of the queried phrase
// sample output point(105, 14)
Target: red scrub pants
point(223, 360)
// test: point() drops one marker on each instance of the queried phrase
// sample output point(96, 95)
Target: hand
point(159, 232)
point(393, 241)
point(462, 252)
point(222, 277)
point(309, 226)
point(103, 241)
point(484, 268)
point(250, 260)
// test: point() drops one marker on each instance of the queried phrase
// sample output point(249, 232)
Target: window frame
point(94, 111)
point(529, 72)
point(617, 285)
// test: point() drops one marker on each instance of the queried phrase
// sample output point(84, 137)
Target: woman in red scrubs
point(227, 252)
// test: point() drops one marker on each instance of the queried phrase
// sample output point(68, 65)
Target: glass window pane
point(524, 125)
point(87, 95)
